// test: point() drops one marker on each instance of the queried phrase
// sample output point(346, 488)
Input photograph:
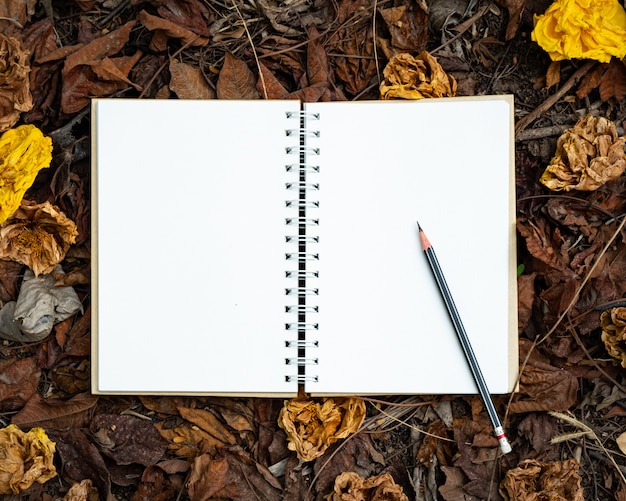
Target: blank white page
point(188, 235)
point(383, 327)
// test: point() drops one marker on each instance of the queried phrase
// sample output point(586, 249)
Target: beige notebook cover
point(247, 248)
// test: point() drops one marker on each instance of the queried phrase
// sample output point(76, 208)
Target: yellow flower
point(25, 458)
point(582, 29)
point(24, 151)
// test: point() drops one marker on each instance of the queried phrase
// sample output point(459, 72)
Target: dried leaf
point(515, 10)
point(350, 486)
point(208, 422)
point(355, 41)
point(317, 69)
point(37, 235)
point(127, 439)
point(19, 11)
point(82, 491)
point(172, 29)
point(25, 458)
point(236, 81)
point(81, 460)
point(590, 81)
point(270, 87)
point(613, 322)
point(190, 14)
point(24, 151)
point(556, 481)
point(40, 305)
point(621, 442)
point(408, 77)
point(613, 82)
point(582, 30)
point(232, 475)
point(587, 156)
point(15, 96)
point(543, 387)
point(188, 82)
point(408, 26)
point(20, 377)
point(312, 426)
point(553, 75)
point(54, 413)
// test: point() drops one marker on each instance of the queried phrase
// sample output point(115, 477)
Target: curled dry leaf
point(556, 481)
point(24, 151)
point(15, 96)
point(408, 77)
point(350, 486)
point(39, 306)
point(613, 323)
point(582, 30)
point(312, 426)
point(37, 235)
point(25, 458)
point(587, 156)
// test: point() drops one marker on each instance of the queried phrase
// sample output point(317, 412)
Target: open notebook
point(247, 248)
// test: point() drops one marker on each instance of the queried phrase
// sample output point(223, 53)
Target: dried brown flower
point(587, 156)
point(408, 77)
point(350, 486)
point(556, 481)
point(37, 235)
point(15, 96)
point(25, 458)
point(312, 426)
point(613, 323)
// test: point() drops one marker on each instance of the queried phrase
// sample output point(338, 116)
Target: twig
point(524, 122)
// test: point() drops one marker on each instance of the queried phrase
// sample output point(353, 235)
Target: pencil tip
point(419, 228)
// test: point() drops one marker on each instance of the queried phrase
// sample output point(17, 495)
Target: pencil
point(505, 446)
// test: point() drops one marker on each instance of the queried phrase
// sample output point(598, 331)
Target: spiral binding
point(302, 288)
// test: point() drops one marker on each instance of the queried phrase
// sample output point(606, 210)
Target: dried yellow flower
point(37, 235)
point(312, 426)
point(582, 29)
point(24, 151)
point(408, 77)
point(587, 156)
point(613, 323)
point(25, 458)
point(350, 486)
point(15, 96)
point(554, 481)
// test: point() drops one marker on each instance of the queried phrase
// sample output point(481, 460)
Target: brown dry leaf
point(15, 96)
point(556, 481)
point(24, 151)
point(269, 86)
point(408, 26)
point(20, 378)
point(588, 155)
point(18, 11)
point(543, 387)
point(312, 426)
point(355, 41)
point(188, 82)
point(590, 81)
point(553, 75)
point(350, 486)
point(81, 460)
point(408, 77)
point(25, 458)
point(191, 14)
point(236, 81)
point(515, 9)
point(525, 299)
point(621, 442)
point(613, 322)
point(82, 491)
point(78, 73)
point(172, 29)
point(231, 475)
point(128, 439)
point(54, 413)
point(37, 235)
point(613, 81)
point(203, 432)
